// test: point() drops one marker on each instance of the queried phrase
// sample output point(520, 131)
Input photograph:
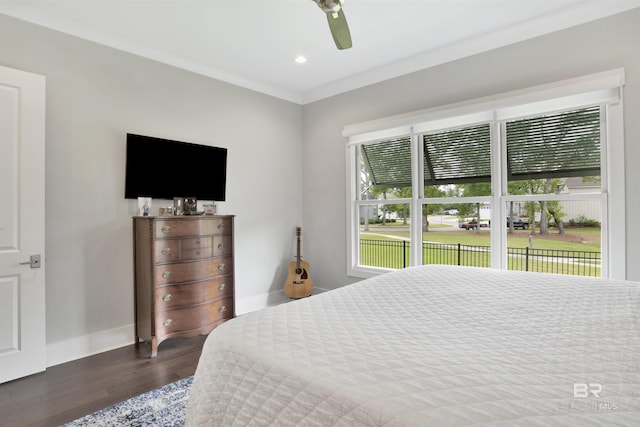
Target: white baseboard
point(257, 302)
point(98, 342)
point(87, 345)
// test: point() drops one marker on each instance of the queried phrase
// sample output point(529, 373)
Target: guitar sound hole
point(302, 273)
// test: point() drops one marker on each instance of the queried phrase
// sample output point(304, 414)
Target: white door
point(22, 291)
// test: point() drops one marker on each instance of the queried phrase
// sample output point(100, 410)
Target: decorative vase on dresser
point(183, 276)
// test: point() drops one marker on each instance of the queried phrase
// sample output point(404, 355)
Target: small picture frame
point(209, 209)
point(144, 206)
point(190, 205)
point(178, 206)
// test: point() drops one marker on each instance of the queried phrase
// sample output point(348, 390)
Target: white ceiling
point(253, 43)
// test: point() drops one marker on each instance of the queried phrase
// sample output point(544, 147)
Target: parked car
point(472, 225)
point(519, 223)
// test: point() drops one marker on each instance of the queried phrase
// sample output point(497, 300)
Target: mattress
point(432, 345)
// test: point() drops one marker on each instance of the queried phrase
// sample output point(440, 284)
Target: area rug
point(165, 407)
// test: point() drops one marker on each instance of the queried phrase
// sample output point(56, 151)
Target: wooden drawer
point(222, 245)
point(173, 296)
point(196, 248)
point(193, 271)
point(185, 228)
point(166, 250)
point(193, 254)
point(196, 243)
point(195, 317)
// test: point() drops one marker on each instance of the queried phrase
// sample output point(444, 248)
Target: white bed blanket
point(433, 345)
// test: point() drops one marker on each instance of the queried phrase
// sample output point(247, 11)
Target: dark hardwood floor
point(71, 390)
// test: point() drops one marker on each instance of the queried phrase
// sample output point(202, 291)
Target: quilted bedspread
point(433, 345)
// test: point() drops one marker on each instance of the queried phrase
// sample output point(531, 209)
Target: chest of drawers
point(183, 276)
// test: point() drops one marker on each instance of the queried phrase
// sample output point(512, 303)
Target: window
point(555, 155)
point(505, 178)
point(385, 193)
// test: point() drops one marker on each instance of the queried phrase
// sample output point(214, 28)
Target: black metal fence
point(396, 254)
point(385, 253)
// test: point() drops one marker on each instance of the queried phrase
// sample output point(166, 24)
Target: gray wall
point(598, 46)
point(95, 95)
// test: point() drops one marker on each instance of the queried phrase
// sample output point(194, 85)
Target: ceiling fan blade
point(339, 29)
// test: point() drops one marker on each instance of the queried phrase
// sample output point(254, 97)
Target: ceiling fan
point(337, 22)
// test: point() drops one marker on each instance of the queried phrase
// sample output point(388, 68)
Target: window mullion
point(614, 231)
point(353, 219)
point(498, 239)
point(606, 243)
point(417, 189)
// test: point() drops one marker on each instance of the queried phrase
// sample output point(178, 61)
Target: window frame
point(603, 89)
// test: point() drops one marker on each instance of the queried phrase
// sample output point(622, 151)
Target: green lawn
point(575, 239)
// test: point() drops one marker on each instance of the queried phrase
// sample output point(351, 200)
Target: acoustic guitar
point(298, 284)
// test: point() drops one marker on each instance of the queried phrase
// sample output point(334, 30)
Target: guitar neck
point(298, 257)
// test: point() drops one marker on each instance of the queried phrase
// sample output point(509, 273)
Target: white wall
point(598, 46)
point(95, 95)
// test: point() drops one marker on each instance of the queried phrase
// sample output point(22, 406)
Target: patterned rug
point(165, 407)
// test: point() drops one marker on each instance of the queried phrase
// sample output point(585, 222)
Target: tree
point(531, 186)
point(401, 209)
point(547, 208)
point(555, 210)
point(544, 224)
point(386, 209)
point(552, 208)
point(465, 210)
point(431, 191)
point(366, 191)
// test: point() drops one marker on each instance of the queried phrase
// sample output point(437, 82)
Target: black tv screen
point(164, 169)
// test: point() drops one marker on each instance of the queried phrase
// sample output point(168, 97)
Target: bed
point(431, 345)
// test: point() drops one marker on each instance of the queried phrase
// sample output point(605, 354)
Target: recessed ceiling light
point(301, 59)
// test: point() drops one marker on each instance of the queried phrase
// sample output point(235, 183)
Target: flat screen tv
point(164, 169)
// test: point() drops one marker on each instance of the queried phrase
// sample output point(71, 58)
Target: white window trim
point(558, 91)
point(600, 88)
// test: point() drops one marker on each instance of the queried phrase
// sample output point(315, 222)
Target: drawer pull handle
point(166, 274)
point(166, 251)
point(221, 226)
point(197, 252)
point(167, 322)
point(222, 286)
point(167, 298)
point(222, 266)
point(197, 242)
point(166, 229)
point(220, 245)
point(223, 309)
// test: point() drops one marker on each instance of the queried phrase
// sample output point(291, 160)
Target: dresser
point(183, 276)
